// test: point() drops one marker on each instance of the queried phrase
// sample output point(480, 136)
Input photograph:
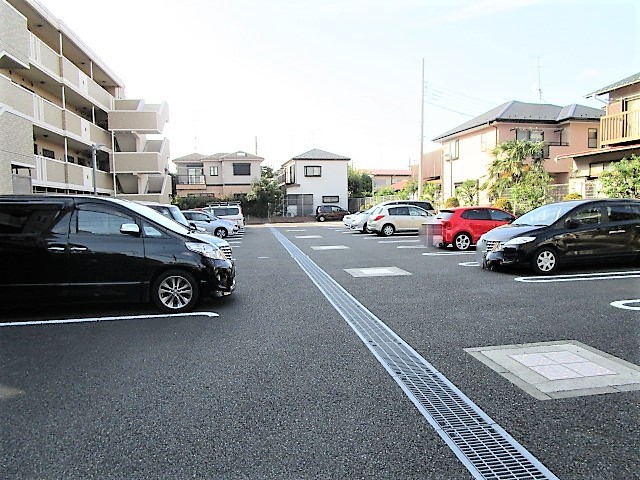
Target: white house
point(314, 178)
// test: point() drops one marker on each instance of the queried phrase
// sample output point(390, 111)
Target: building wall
point(332, 182)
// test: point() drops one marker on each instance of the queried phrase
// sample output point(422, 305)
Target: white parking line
point(308, 236)
point(106, 319)
point(398, 241)
point(469, 264)
point(624, 304)
point(448, 253)
point(580, 277)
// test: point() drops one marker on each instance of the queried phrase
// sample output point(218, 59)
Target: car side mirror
point(130, 229)
point(193, 225)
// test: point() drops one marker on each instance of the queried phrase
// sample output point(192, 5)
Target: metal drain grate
point(484, 448)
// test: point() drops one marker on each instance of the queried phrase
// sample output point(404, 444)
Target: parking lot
point(340, 355)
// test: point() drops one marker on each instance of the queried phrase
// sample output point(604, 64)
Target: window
point(415, 212)
point(451, 150)
point(17, 219)
point(586, 216)
point(213, 171)
point(71, 159)
point(312, 171)
point(290, 175)
point(476, 214)
point(48, 153)
point(242, 169)
point(100, 221)
point(330, 199)
point(399, 211)
point(194, 175)
point(622, 212)
point(499, 216)
point(483, 142)
point(592, 138)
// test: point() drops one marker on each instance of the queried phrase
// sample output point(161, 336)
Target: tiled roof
point(192, 157)
point(515, 111)
point(316, 154)
point(635, 78)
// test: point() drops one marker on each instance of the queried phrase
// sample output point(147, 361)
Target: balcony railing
point(190, 180)
point(620, 128)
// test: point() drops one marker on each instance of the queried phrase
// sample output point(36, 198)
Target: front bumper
point(221, 277)
point(503, 257)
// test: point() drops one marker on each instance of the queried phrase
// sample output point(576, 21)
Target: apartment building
point(221, 175)
point(466, 149)
point(619, 135)
point(314, 178)
point(65, 123)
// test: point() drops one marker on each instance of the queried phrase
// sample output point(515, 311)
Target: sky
point(281, 77)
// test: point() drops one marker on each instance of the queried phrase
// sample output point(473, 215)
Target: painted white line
point(580, 277)
point(412, 246)
point(398, 241)
point(330, 247)
point(296, 230)
point(624, 304)
point(263, 257)
point(308, 236)
point(106, 319)
point(469, 264)
point(445, 254)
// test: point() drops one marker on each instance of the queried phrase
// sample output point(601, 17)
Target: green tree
point(387, 190)
point(265, 197)
point(432, 192)
point(622, 179)
point(360, 184)
point(467, 192)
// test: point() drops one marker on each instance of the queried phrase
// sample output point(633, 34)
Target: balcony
point(152, 161)
point(620, 128)
point(185, 180)
point(136, 116)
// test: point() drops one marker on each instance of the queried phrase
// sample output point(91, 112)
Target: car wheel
point(321, 218)
point(387, 230)
point(462, 241)
point(545, 261)
point(175, 291)
point(365, 229)
point(221, 232)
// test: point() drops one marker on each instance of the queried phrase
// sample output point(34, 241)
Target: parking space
point(329, 346)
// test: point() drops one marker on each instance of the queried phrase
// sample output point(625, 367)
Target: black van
point(83, 248)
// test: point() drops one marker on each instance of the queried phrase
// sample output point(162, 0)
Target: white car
point(359, 221)
point(386, 220)
point(217, 226)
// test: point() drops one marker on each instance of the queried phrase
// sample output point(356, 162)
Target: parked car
point(386, 220)
point(227, 211)
point(217, 226)
point(174, 213)
point(83, 248)
point(463, 226)
point(416, 203)
point(359, 221)
point(330, 212)
point(571, 232)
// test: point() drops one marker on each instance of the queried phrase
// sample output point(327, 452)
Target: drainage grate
point(484, 448)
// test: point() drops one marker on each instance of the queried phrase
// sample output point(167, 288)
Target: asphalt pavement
point(279, 386)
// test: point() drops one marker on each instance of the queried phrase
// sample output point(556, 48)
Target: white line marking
point(330, 247)
point(398, 241)
point(412, 246)
point(447, 253)
point(105, 319)
point(308, 236)
point(624, 304)
point(469, 264)
point(580, 277)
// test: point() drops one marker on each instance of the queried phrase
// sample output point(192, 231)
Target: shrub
point(572, 196)
point(451, 202)
point(503, 204)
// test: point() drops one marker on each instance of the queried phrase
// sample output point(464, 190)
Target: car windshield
point(545, 215)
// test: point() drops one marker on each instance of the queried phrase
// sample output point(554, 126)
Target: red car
point(462, 226)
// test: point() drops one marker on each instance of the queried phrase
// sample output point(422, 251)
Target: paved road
point(280, 386)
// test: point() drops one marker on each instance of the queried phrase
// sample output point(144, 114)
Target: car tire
point(462, 241)
point(365, 229)
point(387, 230)
point(221, 232)
point(545, 261)
point(321, 218)
point(175, 291)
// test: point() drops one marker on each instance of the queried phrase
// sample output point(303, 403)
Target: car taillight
point(378, 217)
point(445, 224)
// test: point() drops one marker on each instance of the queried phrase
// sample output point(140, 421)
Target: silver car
point(386, 220)
point(217, 226)
point(359, 221)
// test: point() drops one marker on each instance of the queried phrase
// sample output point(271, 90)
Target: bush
point(503, 204)
point(572, 196)
point(451, 202)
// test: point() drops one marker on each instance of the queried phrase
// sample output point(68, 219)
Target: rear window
point(444, 215)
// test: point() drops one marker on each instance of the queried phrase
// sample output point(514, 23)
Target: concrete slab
point(376, 272)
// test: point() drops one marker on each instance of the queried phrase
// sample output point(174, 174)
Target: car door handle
point(78, 249)
point(613, 232)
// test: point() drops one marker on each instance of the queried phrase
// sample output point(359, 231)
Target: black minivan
point(571, 232)
point(84, 248)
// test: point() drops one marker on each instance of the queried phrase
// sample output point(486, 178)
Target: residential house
point(221, 175)
point(431, 167)
point(65, 123)
point(467, 147)
point(314, 178)
point(619, 135)
point(387, 177)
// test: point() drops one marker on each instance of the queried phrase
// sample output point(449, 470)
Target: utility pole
point(421, 134)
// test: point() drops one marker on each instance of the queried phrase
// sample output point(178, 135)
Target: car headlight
point(206, 250)
point(519, 241)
